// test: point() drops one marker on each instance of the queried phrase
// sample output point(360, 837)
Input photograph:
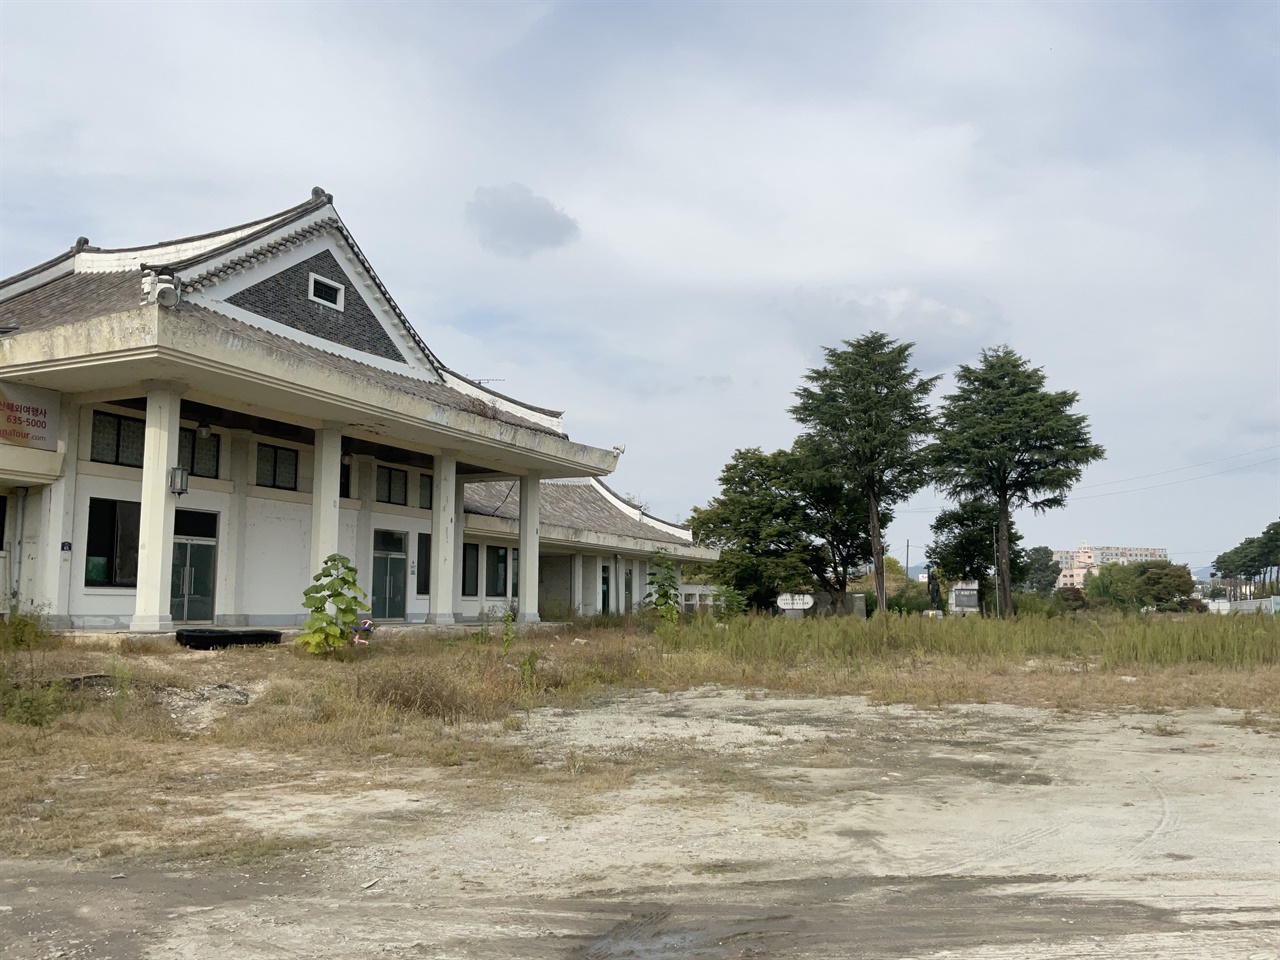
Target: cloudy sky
point(653, 216)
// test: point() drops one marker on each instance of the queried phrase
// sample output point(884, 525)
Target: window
point(199, 454)
point(424, 491)
point(495, 572)
point(4, 518)
point(117, 439)
point(392, 486)
point(195, 523)
point(515, 571)
point(277, 467)
point(424, 563)
point(111, 555)
point(470, 569)
point(344, 481)
point(327, 292)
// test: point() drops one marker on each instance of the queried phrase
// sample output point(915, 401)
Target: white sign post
point(28, 416)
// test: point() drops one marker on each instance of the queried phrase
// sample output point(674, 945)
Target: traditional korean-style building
point(191, 428)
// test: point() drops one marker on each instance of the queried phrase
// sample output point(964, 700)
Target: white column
point(325, 487)
point(53, 573)
point(460, 532)
point(155, 533)
point(617, 584)
point(232, 535)
point(575, 584)
point(530, 500)
point(363, 475)
point(444, 535)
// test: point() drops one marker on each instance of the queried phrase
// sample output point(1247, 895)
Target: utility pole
point(906, 577)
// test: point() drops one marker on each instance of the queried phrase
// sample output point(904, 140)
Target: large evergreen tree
point(963, 547)
point(1004, 438)
point(868, 408)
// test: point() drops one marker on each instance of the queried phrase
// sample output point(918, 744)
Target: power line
point(1153, 486)
point(1190, 466)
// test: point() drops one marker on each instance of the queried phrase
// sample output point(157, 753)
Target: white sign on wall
point(795, 601)
point(28, 416)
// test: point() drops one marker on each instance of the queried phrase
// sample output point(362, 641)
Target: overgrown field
point(134, 749)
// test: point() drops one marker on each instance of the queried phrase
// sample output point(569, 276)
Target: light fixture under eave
point(178, 477)
point(203, 431)
point(347, 459)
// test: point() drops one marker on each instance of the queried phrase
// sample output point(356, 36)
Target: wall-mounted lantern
point(178, 480)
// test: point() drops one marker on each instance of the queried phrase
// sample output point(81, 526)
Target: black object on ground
point(209, 638)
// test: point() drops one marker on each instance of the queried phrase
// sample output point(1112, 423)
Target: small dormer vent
point(327, 292)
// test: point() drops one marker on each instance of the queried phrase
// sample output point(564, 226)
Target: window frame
point(426, 496)
point(470, 569)
point(190, 462)
point(275, 466)
point(497, 558)
point(424, 565)
point(340, 306)
point(385, 471)
point(112, 578)
point(119, 420)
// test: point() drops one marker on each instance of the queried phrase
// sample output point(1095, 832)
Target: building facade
point(191, 428)
point(1077, 564)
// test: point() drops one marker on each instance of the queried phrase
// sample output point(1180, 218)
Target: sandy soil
point(713, 824)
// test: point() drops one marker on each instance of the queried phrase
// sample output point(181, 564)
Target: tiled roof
point(574, 504)
point(435, 392)
point(72, 297)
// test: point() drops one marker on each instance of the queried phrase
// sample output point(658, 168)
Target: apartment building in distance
point(1076, 564)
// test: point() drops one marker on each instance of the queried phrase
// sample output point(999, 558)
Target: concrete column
point(460, 532)
point(155, 533)
point(530, 508)
point(444, 537)
point(52, 564)
point(363, 478)
point(232, 536)
point(325, 515)
point(575, 584)
point(617, 584)
point(590, 586)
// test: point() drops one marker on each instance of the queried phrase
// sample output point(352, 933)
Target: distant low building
point(1077, 564)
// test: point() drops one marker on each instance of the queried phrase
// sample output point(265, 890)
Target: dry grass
point(144, 747)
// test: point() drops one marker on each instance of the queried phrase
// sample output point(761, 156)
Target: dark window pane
point(424, 491)
point(266, 465)
point(344, 481)
point(327, 292)
point(470, 569)
point(515, 571)
point(128, 526)
point(106, 429)
point(100, 542)
point(204, 458)
point(388, 541)
point(382, 485)
point(495, 567)
point(286, 468)
point(399, 487)
point(195, 523)
point(132, 435)
point(4, 517)
point(424, 563)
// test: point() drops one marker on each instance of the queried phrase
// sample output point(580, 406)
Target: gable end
point(286, 297)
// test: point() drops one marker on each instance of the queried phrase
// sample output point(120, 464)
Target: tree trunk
point(1004, 581)
point(877, 556)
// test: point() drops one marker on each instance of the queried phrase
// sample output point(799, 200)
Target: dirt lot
point(718, 824)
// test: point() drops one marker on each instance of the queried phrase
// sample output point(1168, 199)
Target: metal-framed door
point(194, 575)
point(390, 565)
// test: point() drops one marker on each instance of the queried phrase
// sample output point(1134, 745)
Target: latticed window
point(277, 467)
point(117, 439)
point(199, 454)
point(392, 486)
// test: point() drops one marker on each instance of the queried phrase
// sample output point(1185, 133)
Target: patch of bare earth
point(704, 823)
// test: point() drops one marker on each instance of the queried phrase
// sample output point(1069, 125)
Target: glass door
point(389, 566)
point(192, 581)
